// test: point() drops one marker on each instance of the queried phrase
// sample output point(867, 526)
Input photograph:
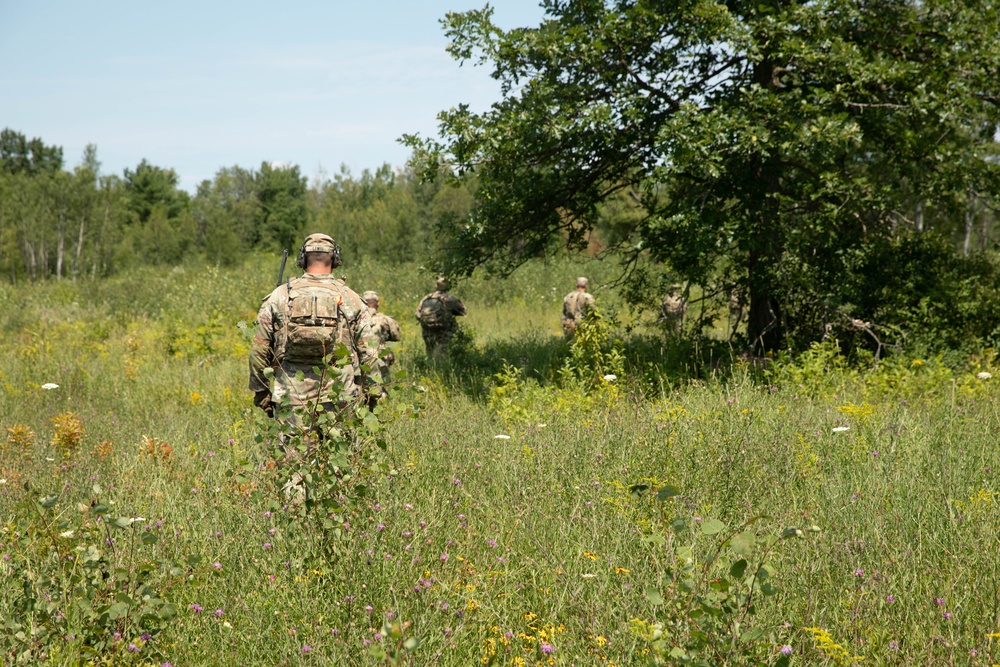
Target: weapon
point(281, 270)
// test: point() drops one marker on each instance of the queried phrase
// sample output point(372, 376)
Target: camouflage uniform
point(673, 308)
point(386, 328)
point(439, 330)
point(342, 317)
point(576, 305)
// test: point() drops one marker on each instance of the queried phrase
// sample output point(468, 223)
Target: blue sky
point(201, 85)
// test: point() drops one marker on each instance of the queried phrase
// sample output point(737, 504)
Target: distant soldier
point(576, 305)
point(299, 324)
point(436, 313)
point(673, 308)
point(386, 328)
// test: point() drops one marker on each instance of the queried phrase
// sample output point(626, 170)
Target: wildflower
point(68, 534)
point(390, 614)
point(587, 554)
point(306, 648)
point(492, 543)
point(501, 437)
point(875, 454)
point(219, 613)
point(549, 648)
point(588, 575)
point(368, 609)
point(982, 375)
point(890, 599)
point(50, 385)
point(622, 570)
point(133, 648)
point(117, 636)
point(217, 566)
point(786, 650)
point(407, 507)
point(166, 664)
point(859, 572)
point(841, 429)
point(145, 636)
point(407, 533)
point(947, 616)
point(939, 601)
point(267, 514)
point(894, 646)
point(444, 558)
point(447, 632)
point(457, 482)
point(381, 527)
point(610, 377)
point(196, 608)
point(267, 545)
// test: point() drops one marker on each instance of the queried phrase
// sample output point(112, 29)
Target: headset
point(301, 261)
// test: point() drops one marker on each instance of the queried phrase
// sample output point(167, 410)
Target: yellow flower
point(587, 554)
point(622, 570)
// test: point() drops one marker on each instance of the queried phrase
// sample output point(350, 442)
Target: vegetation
point(545, 516)
point(761, 148)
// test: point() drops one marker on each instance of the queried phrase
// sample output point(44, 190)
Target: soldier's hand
point(262, 399)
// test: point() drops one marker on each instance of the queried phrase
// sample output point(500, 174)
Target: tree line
point(79, 223)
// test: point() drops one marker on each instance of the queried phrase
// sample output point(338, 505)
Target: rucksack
point(433, 313)
point(312, 323)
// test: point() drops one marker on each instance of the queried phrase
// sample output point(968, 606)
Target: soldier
point(436, 313)
point(386, 328)
point(298, 325)
point(576, 305)
point(673, 308)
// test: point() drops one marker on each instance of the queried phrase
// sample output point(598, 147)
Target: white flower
point(3, 481)
point(134, 519)
point(541, 426)
point(610, 377)
point(49, 459)
point(501, 437)
point(983, 375)
point(841, 429)
point(68, 534)
point(50, 385)
point(588, 576)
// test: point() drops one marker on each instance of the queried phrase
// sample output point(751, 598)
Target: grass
point(485, 547)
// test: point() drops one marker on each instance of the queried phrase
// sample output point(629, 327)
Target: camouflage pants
point(569, 328)
point(437, 341)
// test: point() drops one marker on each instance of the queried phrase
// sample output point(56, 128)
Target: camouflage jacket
point(576, 305)
point(452, 308)
point(386, 328)
point(348, 322)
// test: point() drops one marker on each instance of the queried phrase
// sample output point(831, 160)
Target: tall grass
point(494, 548)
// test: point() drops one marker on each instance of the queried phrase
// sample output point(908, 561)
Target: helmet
point(318, 243)
point(443, 283)
point(369, 296)
point(581, 282)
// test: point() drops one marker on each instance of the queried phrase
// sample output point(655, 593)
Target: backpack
point(312, 323)
point(433, 313)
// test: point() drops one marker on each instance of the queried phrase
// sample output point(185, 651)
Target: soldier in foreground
point(386, 328)
point(576, 305)
point(436, 313)
point(298, 325)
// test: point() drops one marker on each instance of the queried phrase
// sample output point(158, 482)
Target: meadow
point(675, 513)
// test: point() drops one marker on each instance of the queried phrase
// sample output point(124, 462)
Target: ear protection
point(301, 260)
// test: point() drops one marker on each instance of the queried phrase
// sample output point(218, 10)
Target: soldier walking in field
point(299, 325)
point(386, 328)
point(576, 305)
point(436, 313)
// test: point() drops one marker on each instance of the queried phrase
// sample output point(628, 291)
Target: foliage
point(760, 144)
point(88, 588)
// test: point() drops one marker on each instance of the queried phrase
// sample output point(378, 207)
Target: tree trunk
point(60, 253)
point(919, 217)
point(970, 216)
point(79, 249)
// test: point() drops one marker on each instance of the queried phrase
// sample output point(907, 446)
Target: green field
point(549, 546)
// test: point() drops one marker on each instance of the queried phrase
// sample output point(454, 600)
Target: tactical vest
point(312, 322)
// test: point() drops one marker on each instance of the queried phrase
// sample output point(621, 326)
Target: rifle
point(281, 270)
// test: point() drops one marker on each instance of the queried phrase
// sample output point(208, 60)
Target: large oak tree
point(761, 141)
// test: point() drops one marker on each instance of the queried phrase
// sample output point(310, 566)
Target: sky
point(197, 86)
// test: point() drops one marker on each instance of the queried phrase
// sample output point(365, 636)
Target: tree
point(761, 143)
point(20, 156)
point(281, 191)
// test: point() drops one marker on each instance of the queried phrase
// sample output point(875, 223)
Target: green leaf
point(122, 522)
point(411, 644)
point(636, 490)
point(117, 610)
point(48, 501)
point(168, 611)
point(654, 596)
point(667, 492)
point(712, 526)
point(742, 544)
point(148, 537)
point(738, 569)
